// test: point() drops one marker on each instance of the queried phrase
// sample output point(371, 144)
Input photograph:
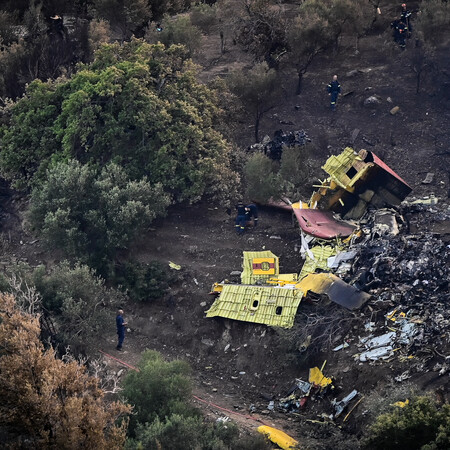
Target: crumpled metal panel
point(337, 166)
point(336, 289)
point(272, 306)
point(248, 275)
point(322, 224)
point(321, 253)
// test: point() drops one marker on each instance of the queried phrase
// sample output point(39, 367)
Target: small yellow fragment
point(172, 265)
point(318, 378)
point(279, 437)
point(401, 404)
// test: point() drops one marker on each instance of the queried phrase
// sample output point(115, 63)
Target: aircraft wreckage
point(356, 181)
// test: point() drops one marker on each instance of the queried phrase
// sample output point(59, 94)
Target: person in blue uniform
point(334, 89)
point(252, 214)
point(120, 323)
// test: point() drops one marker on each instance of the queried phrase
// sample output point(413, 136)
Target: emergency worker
point(120, 323)
point(405, 17)
point(252, 213)
point(400, 34)
point(241, 217)
point(334, 89)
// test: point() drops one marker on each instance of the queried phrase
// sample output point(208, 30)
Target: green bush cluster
point(420, 425)
point(143, 282)
point(90, 214)
point(163, 417)
point(77, 300)
point(290, 177)
point(178, 30)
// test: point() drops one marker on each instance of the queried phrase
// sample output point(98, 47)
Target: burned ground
point(241, 366)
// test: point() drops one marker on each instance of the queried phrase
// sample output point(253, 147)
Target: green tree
point(433, 21)
point(204, 16)
point(421, 425)
point(178, 30)
point(137, 104)
point(91, 216)
point(190, 433)
point(79, 303)
point(143, 282)
point(127, 16)
point(430, 31)
point(47, 403)
point(261, 29)
point(158, 390)
point(309, 35)
point(261, 179)
point(258, 90)
point(295, 169)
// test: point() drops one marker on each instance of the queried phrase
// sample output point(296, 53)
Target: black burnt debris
point(406, 273)
point(274, 148)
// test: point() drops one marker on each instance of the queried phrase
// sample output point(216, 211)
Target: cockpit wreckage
point(356, 182)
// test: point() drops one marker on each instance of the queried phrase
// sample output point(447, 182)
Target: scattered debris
point(337, 290)
point(394, 110)
point(257, 304)
point(428, 178)
point(340, 347)
point(274, 148)
point(341, 405)
point(322, 224)
point(401, 404)
point(172, 265)
point(373, 100)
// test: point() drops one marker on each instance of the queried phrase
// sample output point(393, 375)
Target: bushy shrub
point(178, 30)
point(422, 424)
point(175, 432)
point(204, 16)
point(193, 433)
point(79, 301)
point(295, 169)
point(143, 282)
point(159, 389)
point(261, 180)
point(90, 216)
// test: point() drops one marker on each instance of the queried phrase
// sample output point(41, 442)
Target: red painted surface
point(384, 166)
point(322, 224)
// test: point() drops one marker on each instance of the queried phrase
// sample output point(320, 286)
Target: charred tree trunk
point(299, 83)
point(418, 80)
point(258, 118)
point(222, 43)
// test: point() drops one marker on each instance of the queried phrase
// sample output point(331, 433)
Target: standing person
point(401, 30)
point(334, 89)
point(405, 17)
point(120, 323)
point(252, 212)
point(241, 217)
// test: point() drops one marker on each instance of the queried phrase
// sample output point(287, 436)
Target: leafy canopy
point(91, 215)
point(136, 104)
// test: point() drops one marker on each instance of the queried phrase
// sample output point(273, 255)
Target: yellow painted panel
point(279, 437)
point(272, 306)
point(264, 266)
point(320, 261)
point(300, 205)
point(318, 378)
point(248, 276)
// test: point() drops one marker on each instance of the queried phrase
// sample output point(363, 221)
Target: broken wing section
point(276, 307)
point(337, 290)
